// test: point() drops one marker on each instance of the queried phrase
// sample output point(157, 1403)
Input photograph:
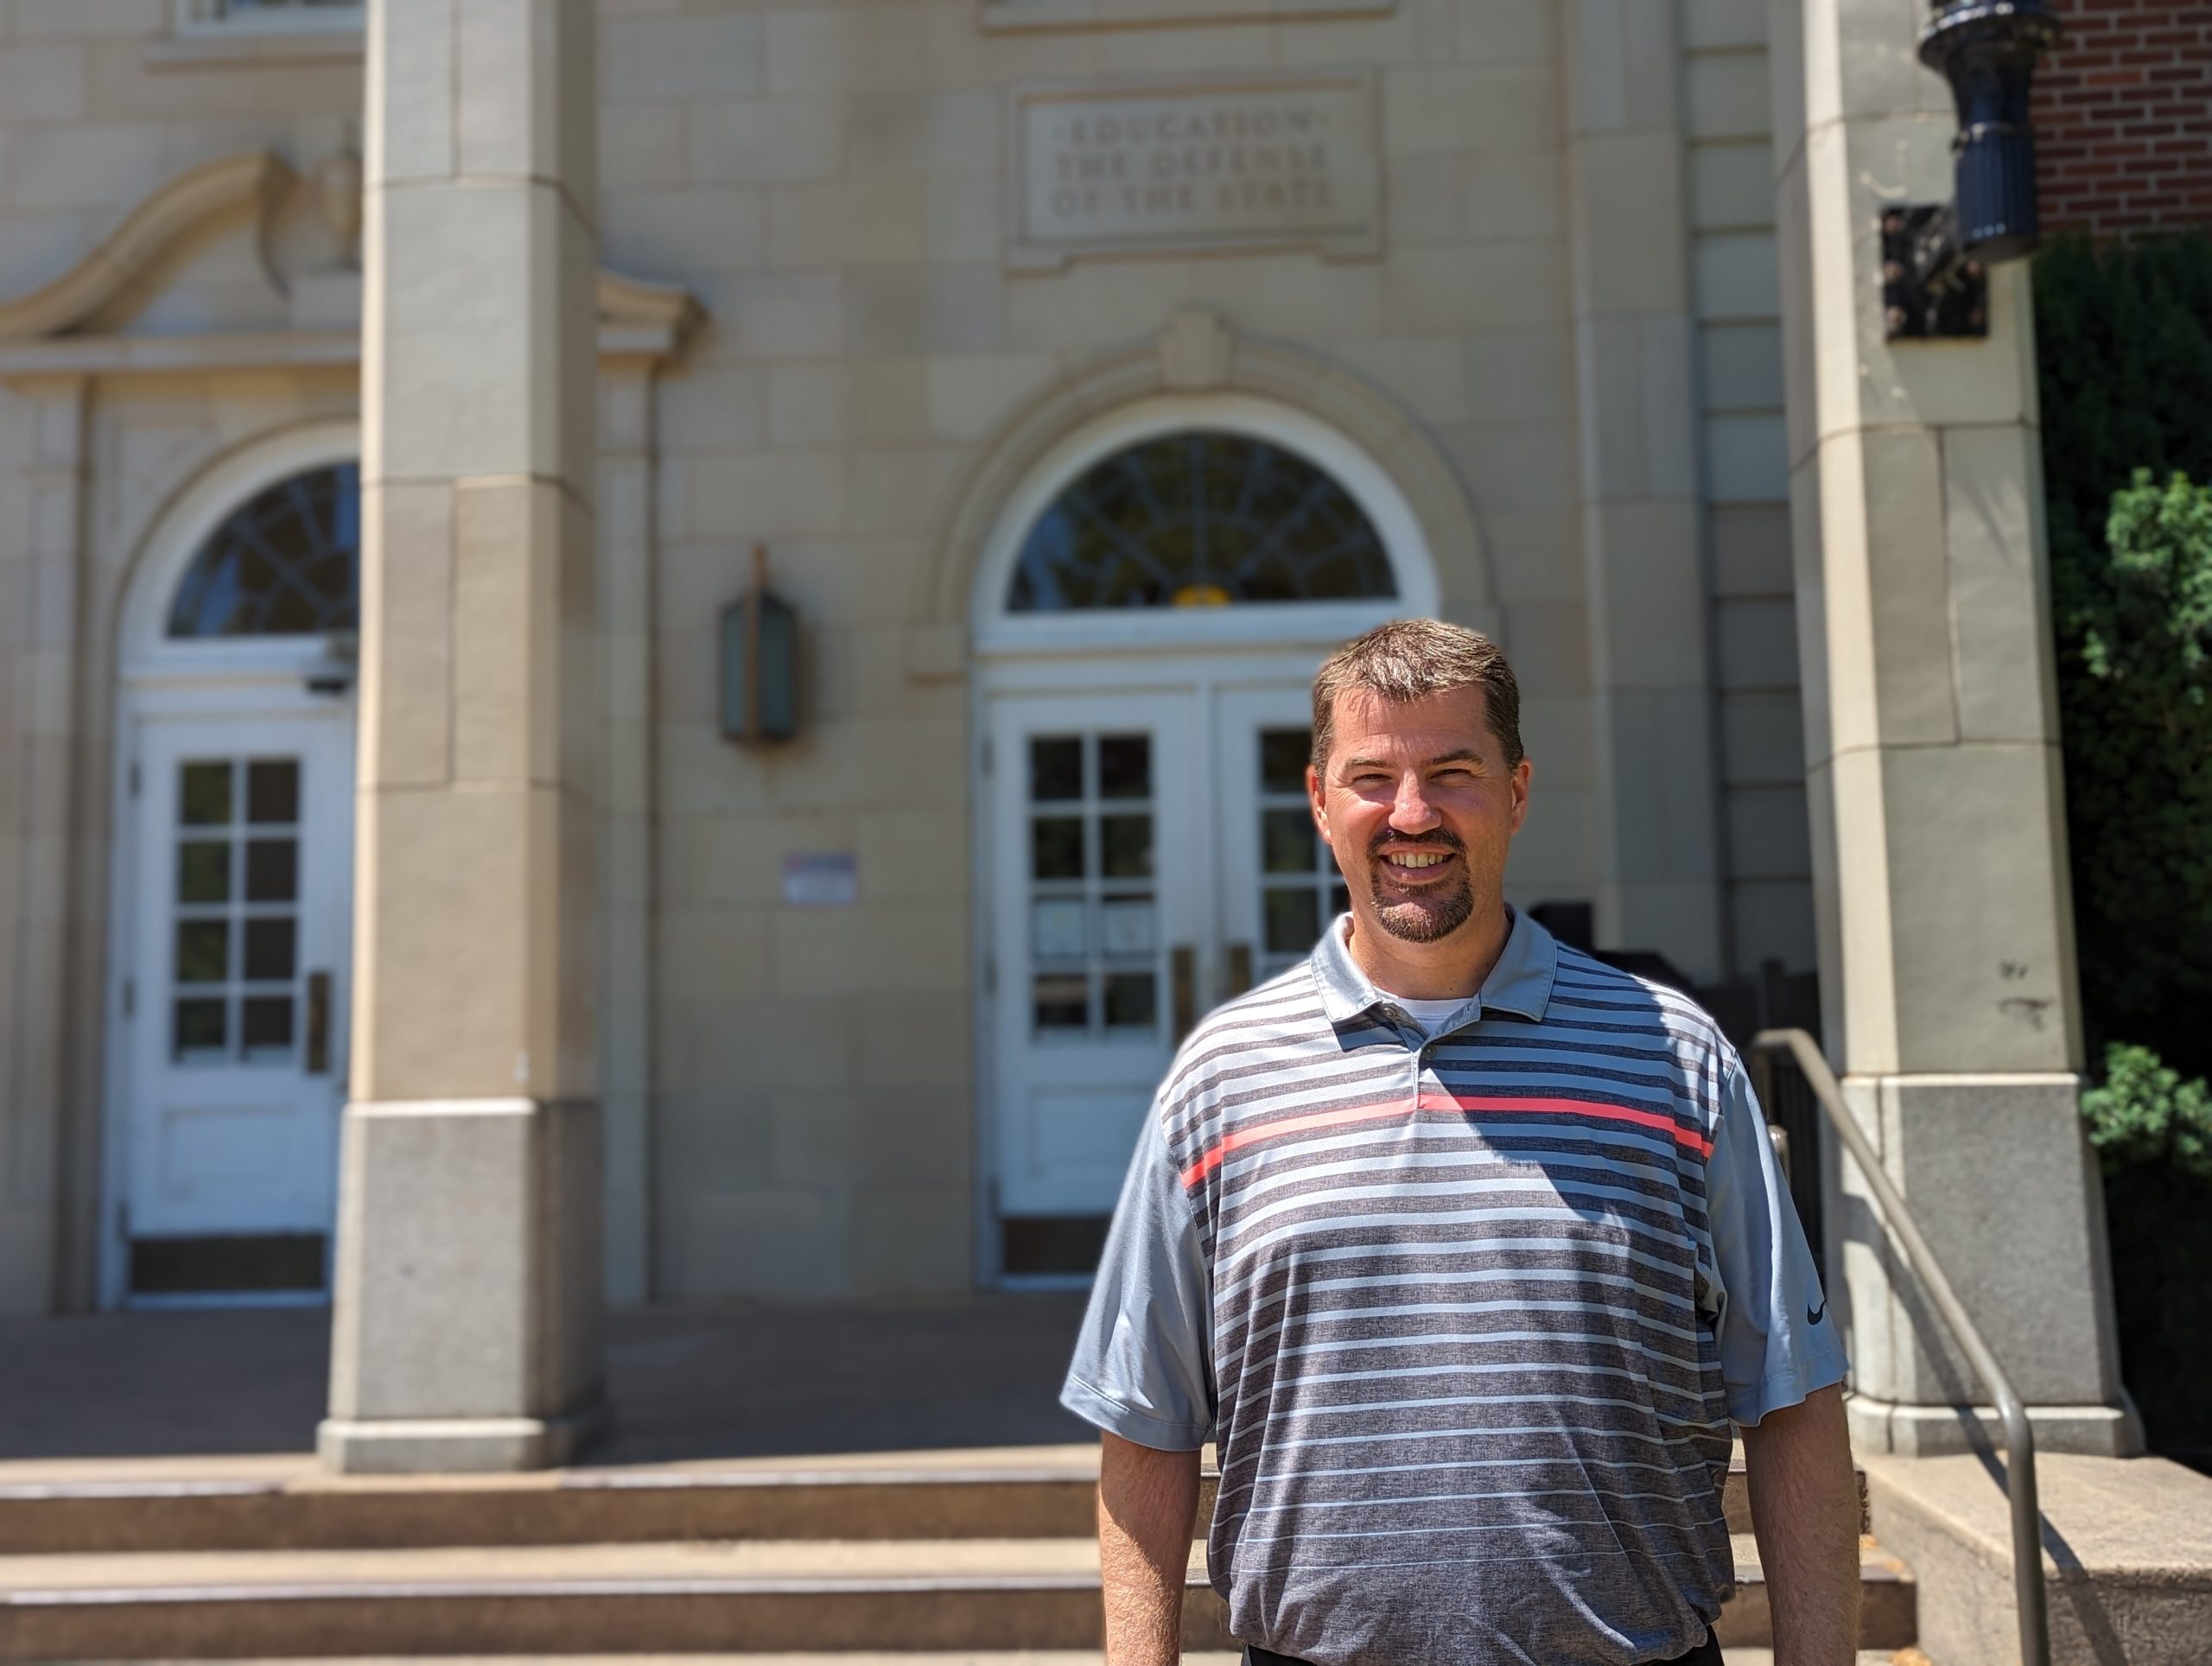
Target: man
point(1465, 1249)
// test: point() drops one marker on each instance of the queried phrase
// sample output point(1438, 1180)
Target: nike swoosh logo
point(1814, 1315)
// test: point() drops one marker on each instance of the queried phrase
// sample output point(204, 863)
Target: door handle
point(1240, 969)
point(1183, 975)
point(318, 1023)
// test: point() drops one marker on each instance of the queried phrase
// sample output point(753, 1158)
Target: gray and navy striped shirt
point(1466, 1311)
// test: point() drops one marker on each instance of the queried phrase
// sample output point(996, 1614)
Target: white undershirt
point(1429, 1015)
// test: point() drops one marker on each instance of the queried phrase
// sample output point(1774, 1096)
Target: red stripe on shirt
point(1218, 1152)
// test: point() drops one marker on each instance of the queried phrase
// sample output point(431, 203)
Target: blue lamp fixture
point(759, 662)
point(1935, 257)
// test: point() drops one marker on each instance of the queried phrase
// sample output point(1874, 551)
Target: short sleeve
point(1142, 1366)
point(1777, 1341)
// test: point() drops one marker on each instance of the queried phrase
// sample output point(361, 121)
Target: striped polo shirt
point(1467, 1310)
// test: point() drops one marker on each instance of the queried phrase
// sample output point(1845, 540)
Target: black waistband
point(1706, 1653)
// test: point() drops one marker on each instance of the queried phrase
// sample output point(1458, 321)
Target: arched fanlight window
point(286, 563)
point(1200, 519)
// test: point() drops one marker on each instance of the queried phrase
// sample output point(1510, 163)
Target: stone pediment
point(242, 260)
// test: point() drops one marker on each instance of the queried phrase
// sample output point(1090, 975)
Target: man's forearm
point(1805, 1512)
point(1147, 1501)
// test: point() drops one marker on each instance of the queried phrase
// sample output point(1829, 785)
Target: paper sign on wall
point(821, 879)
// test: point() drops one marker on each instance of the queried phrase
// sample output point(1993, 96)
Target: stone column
point(468, 1322)
point(626, 825)
point(1947, 955)
point(1644, 568)
point(42, 1130)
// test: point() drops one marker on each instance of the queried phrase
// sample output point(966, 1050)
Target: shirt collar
point(1520, 984)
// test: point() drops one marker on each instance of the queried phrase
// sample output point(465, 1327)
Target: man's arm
point(1805, 1512)
point(1147, 1502)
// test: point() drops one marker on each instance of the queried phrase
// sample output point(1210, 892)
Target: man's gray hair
point(1408, 658)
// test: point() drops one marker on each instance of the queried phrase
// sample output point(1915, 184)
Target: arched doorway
point(233, 884)
point(1149, 617)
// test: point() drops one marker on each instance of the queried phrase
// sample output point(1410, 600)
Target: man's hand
point(1147, 1502)
point(1805, 1512)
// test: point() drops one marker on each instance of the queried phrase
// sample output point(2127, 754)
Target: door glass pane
point(1129, 1002)
point(1293, 920)
point(1063, 1002)
point(1055, 768)
point(272, 790)
point(268, 951)
point(1290, 913)
point(1283, 753)
point(203, 951)
point(1092, 932)
point(200, 1030)
point(204, 794)
point(1125, 925)
point(1125, 766)
point(271, 870)
point(1056, 929)
point(266, 1027)
point(1056, 848)
point(235, 919)
point(1128, 842)
point(203, 870)
point(1288, 841)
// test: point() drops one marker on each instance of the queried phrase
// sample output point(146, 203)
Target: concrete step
point(2127, 1556)
point(862, 1658)
point(759, 1596)
point(287, 1503)
point(967, 1657)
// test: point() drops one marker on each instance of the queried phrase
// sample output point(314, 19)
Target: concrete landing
point(2127, 1556)
point(740, 1379)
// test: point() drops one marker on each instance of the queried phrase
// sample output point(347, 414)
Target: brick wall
point(2123, 118)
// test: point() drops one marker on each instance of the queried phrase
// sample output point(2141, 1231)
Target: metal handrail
point(2019, 1438)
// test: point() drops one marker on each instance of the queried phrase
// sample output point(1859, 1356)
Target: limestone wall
point(829, 178)
point(1747, 484)
point(99, 105)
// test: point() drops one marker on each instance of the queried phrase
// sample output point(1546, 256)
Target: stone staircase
point(974, 1553)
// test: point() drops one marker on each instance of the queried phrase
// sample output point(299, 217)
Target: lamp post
point(1934, 256)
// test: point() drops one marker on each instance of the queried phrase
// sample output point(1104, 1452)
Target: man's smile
point(1415, 867)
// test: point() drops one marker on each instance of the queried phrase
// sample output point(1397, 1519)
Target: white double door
point(1149, 853)
point(233, 1004)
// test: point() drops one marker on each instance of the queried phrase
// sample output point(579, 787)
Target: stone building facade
point(1540, 316)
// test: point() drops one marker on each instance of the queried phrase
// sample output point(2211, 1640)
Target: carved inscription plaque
point(1193, 166)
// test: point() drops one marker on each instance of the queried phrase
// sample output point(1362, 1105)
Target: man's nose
point(1411, 811)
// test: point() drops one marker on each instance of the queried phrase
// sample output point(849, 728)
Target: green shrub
point(2153, 1129)
point(2135, 630)
point(2124, 341)
point(2145, 1114)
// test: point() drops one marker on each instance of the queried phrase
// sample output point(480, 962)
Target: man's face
point(1419, 808)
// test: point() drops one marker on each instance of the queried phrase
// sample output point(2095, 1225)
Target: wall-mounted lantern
point(1934, 256)
point(331, 672)
point(759, 662)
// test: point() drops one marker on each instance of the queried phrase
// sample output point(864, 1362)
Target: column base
point(427, 1446)
point(1904, 1430)
point(465, 1332)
